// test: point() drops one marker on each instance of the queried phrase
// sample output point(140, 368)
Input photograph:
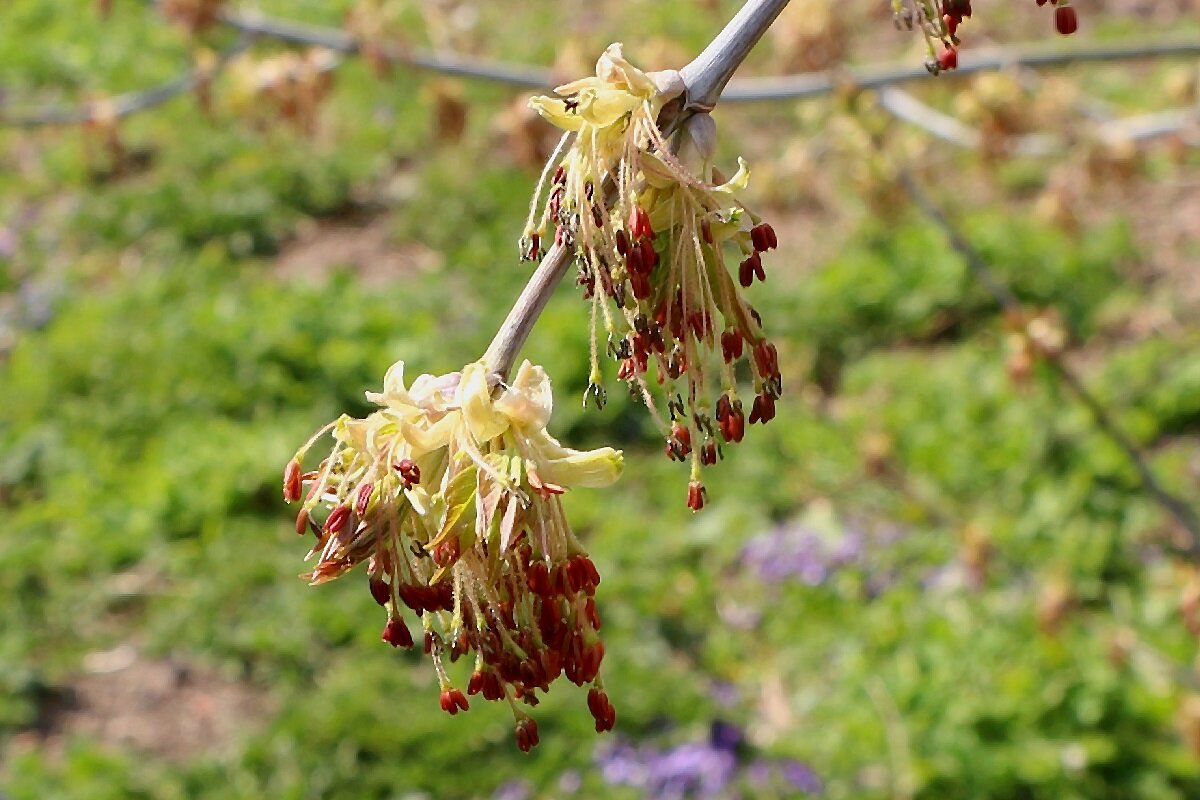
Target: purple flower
point(513, 790)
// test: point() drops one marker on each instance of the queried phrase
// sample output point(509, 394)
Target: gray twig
point(1177, 508)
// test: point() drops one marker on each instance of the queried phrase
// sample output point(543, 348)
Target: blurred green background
point(924, 579)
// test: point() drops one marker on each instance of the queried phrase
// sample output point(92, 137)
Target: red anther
point(538, 578)
point(291, 481)
point(948, 58)
point(396, 633)
point(412, 596)
point(731, 345)
point(730, 419)
point(427, 643)
point(708, 454)
point(527, 734)
point(1065, 20)
point(762, 236)
point(476, 683)
point(598, 216)
point(633, 261)
point(559, 234)
point(746, 274)
point(639, 223)
point(683, 435)
point(766, 358)
point(695, 496)
point(597, 702)
point(589, 568)
point(535, 245)
point(380, 590)
point(763, 410)
point(410, 473)
point(749, 268)
point(610, 720)
point(447, 552)
point(337, 519)
point(302, 522)
point(649, 255)
point(593, 613)
point(759, 271)
point(492, 690)
point(364, 497)
point(442, 596)
point(706, 231)
point(622, 242)
point(951, 21)
point(560, 174)
point(640, 285)
point(453, 700)
point(626, 370)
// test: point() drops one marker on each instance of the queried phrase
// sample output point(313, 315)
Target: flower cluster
point(664, 249)
point(450, 492)
point(938, 21)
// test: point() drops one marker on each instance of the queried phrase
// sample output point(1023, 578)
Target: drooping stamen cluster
point(656, 232)
point(450, 493)
point(938, 21)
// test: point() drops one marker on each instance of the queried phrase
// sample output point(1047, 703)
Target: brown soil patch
point(164, 707)
point(365, 248)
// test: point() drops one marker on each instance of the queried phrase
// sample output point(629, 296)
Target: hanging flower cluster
point(664, 249)
point(938, 21)
point(450, 494)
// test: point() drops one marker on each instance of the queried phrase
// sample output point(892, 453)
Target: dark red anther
point(696, 495)
point(538, 578)
point(622, 242)
point(1065, 20)
point(731, 345)
point(427, 644)
point(380, 590)
point(453, 701)
point(593, 613)
point(683, 435)
point(602, 710)
point(759, 271)
point(291, 481)
point(535, 246)
point(302, 522)
point(626, 370)
point(476, 683)
point(633, 261)
point(649, 255)
point(442, 596)
point(560, 174)
point(951, 21)
point(337, 519)
point(396, 633)
point(640, 285)
point(706, 231)
point(527, 734)
point(766, 358)
point(748, 269)
point(364, 497)
point(410, 473)
point(763, 410)
point(708, 454)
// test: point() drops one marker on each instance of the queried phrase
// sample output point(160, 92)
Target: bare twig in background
point(125, 104)
point(526, 76)
point(1177, 508)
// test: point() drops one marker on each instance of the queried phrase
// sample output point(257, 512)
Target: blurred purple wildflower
point(704, 769)
point(812, 551)
point(513, 790)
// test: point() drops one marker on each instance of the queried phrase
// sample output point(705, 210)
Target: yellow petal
point(479, 413)
point(603, 107)
point(555, 112)
point(528, 400)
